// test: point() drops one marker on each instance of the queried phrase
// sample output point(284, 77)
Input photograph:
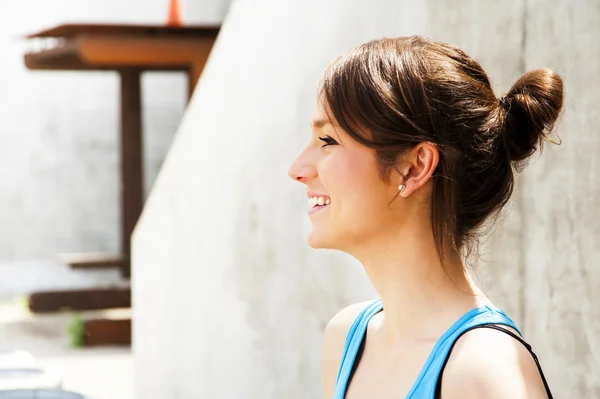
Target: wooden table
point(129, 50)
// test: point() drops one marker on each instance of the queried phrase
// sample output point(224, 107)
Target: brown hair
point(392, 94)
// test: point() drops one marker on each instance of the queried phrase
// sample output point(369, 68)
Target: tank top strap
point(425, 384)
point(353, 342)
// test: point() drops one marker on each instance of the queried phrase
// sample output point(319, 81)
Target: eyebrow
point(319, 123)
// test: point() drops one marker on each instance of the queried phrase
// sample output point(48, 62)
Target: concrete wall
point(225, 288)
point(58, 141)
point(560, 203)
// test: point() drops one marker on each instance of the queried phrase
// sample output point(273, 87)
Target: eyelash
point(328, 141)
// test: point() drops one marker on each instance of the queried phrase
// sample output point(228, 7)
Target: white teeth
point(314, 201)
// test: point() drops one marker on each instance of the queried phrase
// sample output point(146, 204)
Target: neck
point(419, 295)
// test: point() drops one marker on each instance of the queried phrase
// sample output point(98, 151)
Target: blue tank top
point(424, 386)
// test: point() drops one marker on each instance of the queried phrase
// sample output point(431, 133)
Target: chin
point(314, 242)
point(317, 241)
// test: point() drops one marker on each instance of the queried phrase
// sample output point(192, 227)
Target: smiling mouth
point(315, 204)
point(318, 201)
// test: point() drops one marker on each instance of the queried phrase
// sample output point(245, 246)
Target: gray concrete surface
point(560, 203)
point(225, 288)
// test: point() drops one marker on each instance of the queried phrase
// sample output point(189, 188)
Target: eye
point(328, 140)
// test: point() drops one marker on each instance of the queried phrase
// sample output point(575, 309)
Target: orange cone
point(174, 14)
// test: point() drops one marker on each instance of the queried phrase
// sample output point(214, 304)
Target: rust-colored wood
point(72, 30)
point(90, 260)
point(90, 299)
point(52, 60)
point(118, 47)
point(118, 53)
point(131, 161)
point(107, 332)
point(141, 52)
point(62, 56)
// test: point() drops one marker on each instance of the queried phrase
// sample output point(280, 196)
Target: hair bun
point(532, 105)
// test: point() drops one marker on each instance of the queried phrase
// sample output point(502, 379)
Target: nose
point(302, 169)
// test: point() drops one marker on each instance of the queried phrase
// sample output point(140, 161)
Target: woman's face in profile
point(348, 202)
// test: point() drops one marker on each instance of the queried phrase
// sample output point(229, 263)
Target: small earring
point(401, 187)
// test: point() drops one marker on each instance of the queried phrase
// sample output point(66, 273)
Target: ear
point(418, 166)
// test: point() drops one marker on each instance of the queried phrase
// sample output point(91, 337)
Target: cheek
point(352, 180)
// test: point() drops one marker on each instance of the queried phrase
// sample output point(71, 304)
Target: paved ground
point(100, 373)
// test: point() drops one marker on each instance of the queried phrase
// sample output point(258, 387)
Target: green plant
point(76, 330)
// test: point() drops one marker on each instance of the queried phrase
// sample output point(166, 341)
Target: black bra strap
point(438, 387)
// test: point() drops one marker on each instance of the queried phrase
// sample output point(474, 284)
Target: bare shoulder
point(491, 364)
point(333, 344)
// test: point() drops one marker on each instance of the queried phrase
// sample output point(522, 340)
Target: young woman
point(411, 154)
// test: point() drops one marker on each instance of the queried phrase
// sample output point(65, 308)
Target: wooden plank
point(118, 52)
point(90, 299)
point(64, 56)
point(107, 332)
point(71, 30)
point(131, 161)
point(63, 60)
point(90, 260)
point(143, 52)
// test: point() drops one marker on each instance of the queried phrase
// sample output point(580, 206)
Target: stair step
point(87, 299)
point(90, 260)
point(107, 332)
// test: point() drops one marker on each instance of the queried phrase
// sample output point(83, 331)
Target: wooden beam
point(91, 260)
point(107, 332)
point(131, 161)
point(91, 299)
point(143, 52)
point(64, 56)
point(149, 31)
point(105, 52)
